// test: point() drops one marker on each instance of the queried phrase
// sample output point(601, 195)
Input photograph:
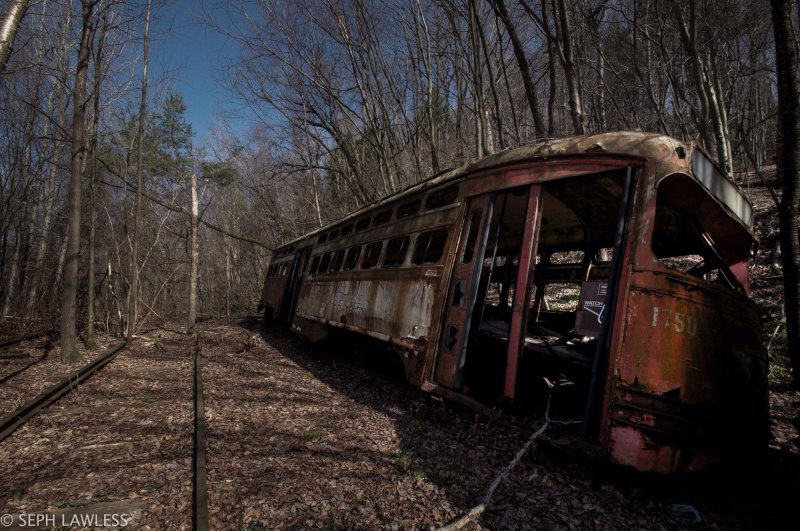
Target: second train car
point(615, 263)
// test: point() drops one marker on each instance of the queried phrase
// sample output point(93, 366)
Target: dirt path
point(120, 444)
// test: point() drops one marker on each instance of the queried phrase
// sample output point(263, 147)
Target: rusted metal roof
point(666, 153)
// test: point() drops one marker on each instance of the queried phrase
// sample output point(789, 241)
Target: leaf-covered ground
point(32, 366)
point(299, 437)
point(124, 436)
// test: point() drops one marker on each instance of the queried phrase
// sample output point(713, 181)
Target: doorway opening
point(575, 233)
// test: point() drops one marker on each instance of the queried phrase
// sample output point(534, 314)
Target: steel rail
point(28, 410)
point(200, 495)
point(5, 344)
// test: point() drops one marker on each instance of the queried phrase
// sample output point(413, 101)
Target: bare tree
point(14, 15)
point(133, 293)
point(195, 253)
point(93, 168)
point(501, 11)
point(787, 58)
point(69, 352)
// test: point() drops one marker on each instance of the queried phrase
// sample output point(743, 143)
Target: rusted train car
point(615, 263)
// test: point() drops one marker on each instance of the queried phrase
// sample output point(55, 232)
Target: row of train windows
point(429, 253)
point(428, 249)
point(278, 270)
point(436, 200)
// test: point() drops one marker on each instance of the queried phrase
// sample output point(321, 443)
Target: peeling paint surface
point(400, 308)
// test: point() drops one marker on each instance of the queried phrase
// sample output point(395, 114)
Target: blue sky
point(193, 58)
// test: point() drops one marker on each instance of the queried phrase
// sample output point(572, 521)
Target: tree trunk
point(137, 202)
point(90, 288)
point(787, 58)
point(492, 86)
point(14, 15)
point(195, 253)
point(500, 10)
point(710, 101)
point(481, 139)
point(570, 74)
point(69, 352)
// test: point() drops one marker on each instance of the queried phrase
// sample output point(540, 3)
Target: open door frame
point(463, 290)
point(522, 290)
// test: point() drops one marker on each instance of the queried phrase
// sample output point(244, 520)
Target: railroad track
point(23, 414)
point(30, 409)
point(8, 344)
point(200, 493)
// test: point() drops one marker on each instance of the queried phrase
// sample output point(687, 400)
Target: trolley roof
point(665, 153)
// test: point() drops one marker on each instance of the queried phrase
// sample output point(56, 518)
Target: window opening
point(567, 257)
point(687, 223)
point(372, 253)
point(382, 218)
point(351, 260)
point(562, 297)
point(442, 198)
point(362, 224)
point(408, 209)
point(396, 250)
point(472, 235)
point(312, 269)
point(325, 263)
point(336, 261)
point(429, 247)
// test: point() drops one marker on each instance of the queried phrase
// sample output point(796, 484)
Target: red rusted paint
point(516, 336)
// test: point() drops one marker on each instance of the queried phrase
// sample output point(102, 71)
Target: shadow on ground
point(461, 453)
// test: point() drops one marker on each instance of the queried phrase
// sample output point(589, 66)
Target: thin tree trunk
point(90, 289)
point(137, 202)
point(507, 82)
point(426, 60)
point(710, 101)
point(69, 352)
point(195, 254)
point(551, 70)
point(570, 74)
point(492, 86)
point(500, 10)
point(14, 15)
point(787, 58)
point(481, 140)
point(60, 96)
point(11, 280)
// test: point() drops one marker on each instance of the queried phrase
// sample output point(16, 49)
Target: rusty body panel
point(707, 388)
point(393, 306)
point(679, 367)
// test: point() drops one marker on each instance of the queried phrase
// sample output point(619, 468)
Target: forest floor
point(310, 439)
point(121, 443)
point(303, 437)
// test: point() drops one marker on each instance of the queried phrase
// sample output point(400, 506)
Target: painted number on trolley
point(677, 321)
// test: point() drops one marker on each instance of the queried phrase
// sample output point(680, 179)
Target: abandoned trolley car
point(615, 264)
